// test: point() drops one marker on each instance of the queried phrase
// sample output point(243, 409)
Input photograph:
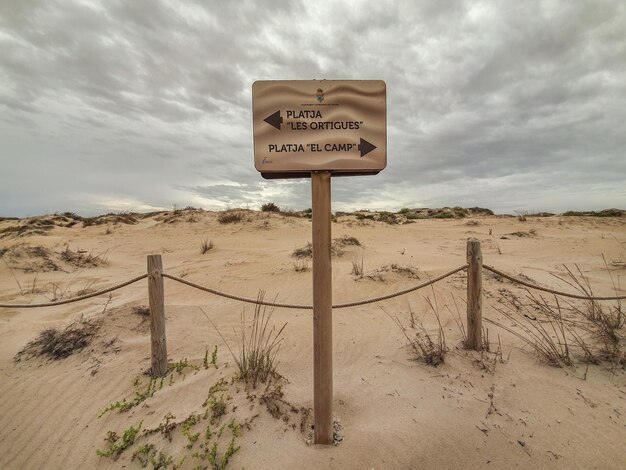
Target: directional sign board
point(319, 125)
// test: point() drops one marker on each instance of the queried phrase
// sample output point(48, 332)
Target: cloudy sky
point(135, 105)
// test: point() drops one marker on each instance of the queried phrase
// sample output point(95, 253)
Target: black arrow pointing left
point(274, 120)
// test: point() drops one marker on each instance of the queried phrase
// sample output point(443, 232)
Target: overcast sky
point(136, 105)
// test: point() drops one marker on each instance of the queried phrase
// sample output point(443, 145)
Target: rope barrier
point(550, 291)
point(76, 299)
point(310, 307)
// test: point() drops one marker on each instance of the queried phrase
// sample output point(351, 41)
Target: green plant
point(230, 451)
point(214, 357)
point(217, 407)
point(140, 396)
point(116, 447)
point(144, 454)
point(190, 421)
point(179, 366)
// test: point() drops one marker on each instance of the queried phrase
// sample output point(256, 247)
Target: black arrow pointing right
point(365, 147)
point(274, 120)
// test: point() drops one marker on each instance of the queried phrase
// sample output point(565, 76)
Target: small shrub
point(387, 217)
point(229, 217)
point(270, 207)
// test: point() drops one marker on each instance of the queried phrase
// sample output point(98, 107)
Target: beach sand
point(473, 411)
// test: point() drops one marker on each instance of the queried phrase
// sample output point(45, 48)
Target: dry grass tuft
point(260, 343)
point(426, 347)
point(29, 258)
point(357, 266)
point(207, 245)
point(82, 259)
point(303, 252)
point(55, 344)
point(141, 310)
point(229, 217)
point(301, 266)
point(336, 248)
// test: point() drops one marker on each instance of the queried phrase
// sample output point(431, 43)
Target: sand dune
point(474, 411)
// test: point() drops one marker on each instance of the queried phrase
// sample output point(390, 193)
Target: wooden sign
point(319, 129)
point(302, 126)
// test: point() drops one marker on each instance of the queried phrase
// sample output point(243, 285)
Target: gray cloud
point(122, 105)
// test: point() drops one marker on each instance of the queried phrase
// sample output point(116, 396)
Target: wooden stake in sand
point(474, 295)
point(322, 310)
point(157, 316)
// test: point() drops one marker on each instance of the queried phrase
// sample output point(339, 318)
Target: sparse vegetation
point(357, 266)
point(426, 347)
point(82, 259)
point(141, 310)
point(301, 266)
point(140, 397)
point(304, 252)
point(270, 207)
point(229, 217)
point(346, 240)
point(336, 248)
point(55, 344)
point(602, 213)
point(206, 246)
point(116, 447)
point(256, 361)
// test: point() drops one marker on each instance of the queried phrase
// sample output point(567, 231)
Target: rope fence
point(310, 307)
point(79, 298)
point(155, 275)
point(550, 291)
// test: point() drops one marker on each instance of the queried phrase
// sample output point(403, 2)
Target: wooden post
point(474, 295)
point(322, 310)
point(157, 316)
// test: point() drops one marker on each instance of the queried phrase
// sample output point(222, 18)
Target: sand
point(472, 411)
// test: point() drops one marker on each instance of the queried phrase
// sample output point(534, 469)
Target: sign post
point(322, 310)
point(319, 129)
